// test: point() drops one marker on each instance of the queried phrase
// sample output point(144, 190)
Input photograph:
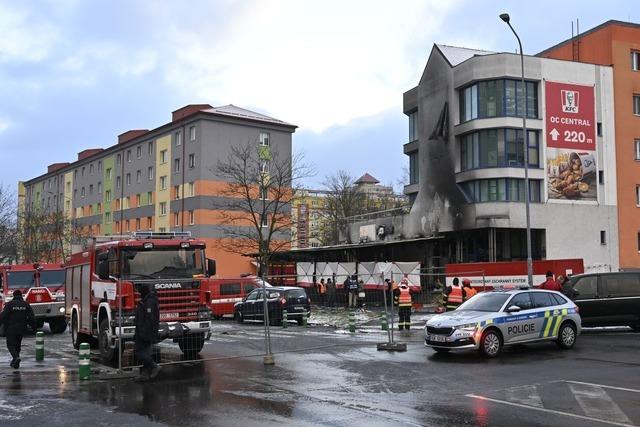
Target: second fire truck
point(103, 282)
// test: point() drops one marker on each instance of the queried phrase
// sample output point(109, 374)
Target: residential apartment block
point(617, 44)
point(163, 179)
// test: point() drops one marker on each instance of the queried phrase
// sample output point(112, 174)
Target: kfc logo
point(570, 101)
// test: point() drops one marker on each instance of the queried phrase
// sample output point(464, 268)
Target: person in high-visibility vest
point(467, 290)
point(402, 296)
point(453, 295)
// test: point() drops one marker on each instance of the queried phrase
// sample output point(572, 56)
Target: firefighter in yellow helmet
point(402, 297)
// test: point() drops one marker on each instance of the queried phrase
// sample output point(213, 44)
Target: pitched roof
point(234, 111)
point(367, 179)
point(589, 31)
point(457, 55)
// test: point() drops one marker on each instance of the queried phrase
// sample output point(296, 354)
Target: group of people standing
point(454, 295)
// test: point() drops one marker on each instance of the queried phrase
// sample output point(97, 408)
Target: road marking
point(595, 402)
point(632, 390)
point(527, 395)
point(550, 411)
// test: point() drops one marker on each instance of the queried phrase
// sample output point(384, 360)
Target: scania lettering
point(42, 286)
point(103, 285)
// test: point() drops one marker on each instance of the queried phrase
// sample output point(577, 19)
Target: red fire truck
point(103, 282)
point(42, 286)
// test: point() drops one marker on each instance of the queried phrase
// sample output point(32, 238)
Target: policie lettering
point(521, 329)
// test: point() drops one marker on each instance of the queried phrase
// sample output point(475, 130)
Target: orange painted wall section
point(228, 264)
point(612, 45)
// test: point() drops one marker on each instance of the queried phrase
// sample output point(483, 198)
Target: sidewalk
point(338, 317)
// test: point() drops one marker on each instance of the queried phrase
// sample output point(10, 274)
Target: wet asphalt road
point(323, 377)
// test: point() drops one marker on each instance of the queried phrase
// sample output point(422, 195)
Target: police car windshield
point(489, 301)
point(163, 263)
point(20, 279)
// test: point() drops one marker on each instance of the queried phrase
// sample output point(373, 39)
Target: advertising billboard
point(570, 142)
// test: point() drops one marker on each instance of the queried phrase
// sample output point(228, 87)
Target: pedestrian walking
point(402, 297)
point(331, 293)
point(467, 290)
point(16, 317)
point(147, 322)
point(550, 284)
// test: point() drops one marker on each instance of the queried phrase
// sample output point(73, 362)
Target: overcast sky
point(75, 74)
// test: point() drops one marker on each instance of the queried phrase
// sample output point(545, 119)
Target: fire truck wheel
point(58, 325)
point(107, 354)
point(191, 345)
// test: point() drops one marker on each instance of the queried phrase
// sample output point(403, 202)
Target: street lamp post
point(505, 17)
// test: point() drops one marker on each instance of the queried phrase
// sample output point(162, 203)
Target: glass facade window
point(491, 148)
point(636, 105)
point(498, 98)
point(500, 190)
point(413, 126)
point(414, 171)
point(635, 60)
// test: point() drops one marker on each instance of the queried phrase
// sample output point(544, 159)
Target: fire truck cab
point(42, 286)
point(103, 282)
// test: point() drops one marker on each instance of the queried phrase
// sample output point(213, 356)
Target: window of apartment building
point(264, 139)
point(601, 177)
point(99, 187)
point(149, 197)
point(497, 148)
point(137, 224)
point(635, 60)
point(127, 202)
point(128, 156)
point(637, 148)
point(176, 219)
point(118, 159)
point(98, 227)
point(128, 177)
point(138, 200)
point(500, 190)
point(127, 226)
point(90, 189)
point(108, 173)
point(192, 190)
point(603, 237)
point(413, 126)
point(636, 105)
point(82, 173)
point(163, 182)
point(163, 156)
point(150, 173)
point(149, 223)
point(99, 208)
point(414, 168)
point(192, 133)
point(264, 166)
point(176, 165)
point(82, 192)
point(264, 193)
point(192, 161)
point(67, 205)
point(150, 148)
point(107, 217)
point(494, 98)
point(264, 222)
point(68, 183)
point(118, 202)
point(107, 195)
point(118, 182)
point(139, 151)
point(138, 176)
point(75, 174)
point(117, 226)
point(599, 128)
point(162, 229)
point(638, 195)
point(192, 218)
point(99, 165)
point(176, 192)
point(178, 137)
point(91, 169)
point(163, 208)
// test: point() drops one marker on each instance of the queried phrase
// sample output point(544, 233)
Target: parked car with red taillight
point(292, 299)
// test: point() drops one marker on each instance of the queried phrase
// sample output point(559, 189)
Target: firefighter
point(16, 317)
point(147, 322)
point(467, 290)
point(402, 297)
point(453, 295)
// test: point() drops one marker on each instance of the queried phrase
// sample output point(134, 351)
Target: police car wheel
point(490, 343)
point(566, 335)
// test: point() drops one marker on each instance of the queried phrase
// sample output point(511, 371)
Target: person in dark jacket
point(147, 323)
point(16, 317)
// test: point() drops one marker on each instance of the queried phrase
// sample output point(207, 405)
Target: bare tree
point(344, 199)
point(8, 226)
point(256, 214)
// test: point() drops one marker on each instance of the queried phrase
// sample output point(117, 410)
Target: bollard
point(304, 321)
point(383, 320)
point(284, 318)
point(84, 369)
point(39, 346)
point(352, 322)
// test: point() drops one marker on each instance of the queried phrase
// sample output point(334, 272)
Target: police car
point(491, 320)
